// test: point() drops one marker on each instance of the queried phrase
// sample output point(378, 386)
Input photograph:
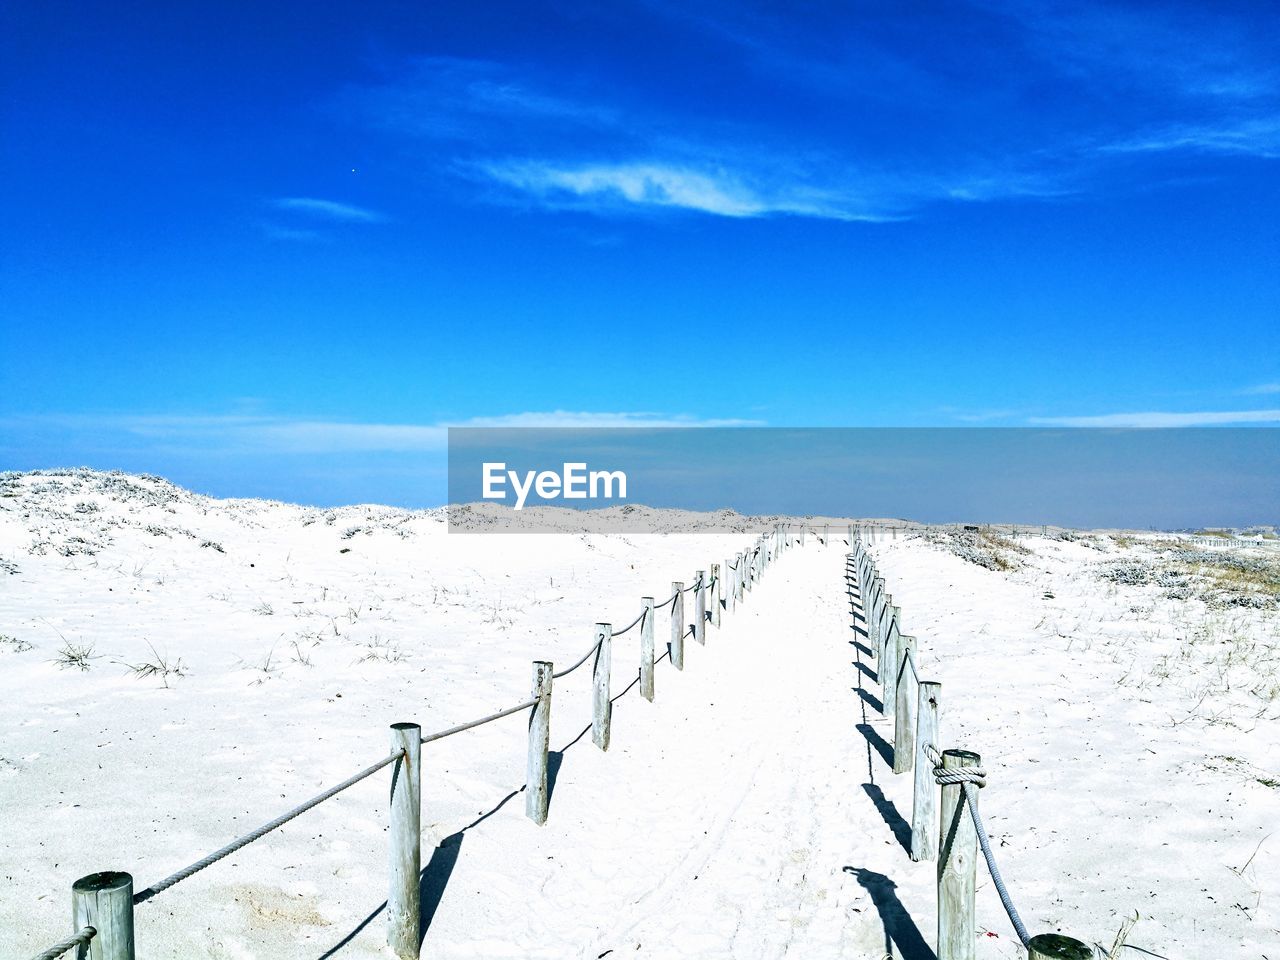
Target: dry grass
point(77, 655)
point(159, 666)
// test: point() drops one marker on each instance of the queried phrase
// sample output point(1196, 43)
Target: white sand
point(740, 815)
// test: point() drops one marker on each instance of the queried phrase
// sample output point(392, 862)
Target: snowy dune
point(241, 655)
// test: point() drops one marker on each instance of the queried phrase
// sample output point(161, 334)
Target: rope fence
point(945, 820)
point(62, 946)
point(103, 903)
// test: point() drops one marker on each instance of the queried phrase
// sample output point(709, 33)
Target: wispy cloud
point(571, 152)
point(657, 185)
point(1162, 419)
point(330, 210)
point(570, 418)
point(1259, 137)
point(1262, 388)
point(250, 434)
point(880, 130)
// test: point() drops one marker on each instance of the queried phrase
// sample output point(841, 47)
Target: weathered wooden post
point(851, 535)
point(904, 707)
point(403, 906)
point(826, 534)
point(715, 595)
point(957, 866)
point(879, 603)
point(803, 527)
point(924, 807)
point(677, 626)
point(889, 617)
point(888, 664)
point(601, 705)
point(700, 609)
point(104, 901)
point(536, 796)
point(1054, 946)
point(646, 649)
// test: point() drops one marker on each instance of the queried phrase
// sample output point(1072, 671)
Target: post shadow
point(899, 929)
point(888, 811)
point(435, 877)
point(868, 672)
point(877, 743)
point(870, 699)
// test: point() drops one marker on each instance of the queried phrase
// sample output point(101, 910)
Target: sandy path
point(722, 819)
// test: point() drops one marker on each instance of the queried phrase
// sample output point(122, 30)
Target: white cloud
point(253, 434)
point(570, 418)
point(672, 185)
point(1262, 388)
point(1162, 419)
point(329, 210)
point(1258, 137)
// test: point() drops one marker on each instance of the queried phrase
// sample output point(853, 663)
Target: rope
point(969, 778)
point(564, 673)
point(263, 830)
point(62, 946)
point(618, 633)
point(483, 720)
point(670, 599)
point(991, 866)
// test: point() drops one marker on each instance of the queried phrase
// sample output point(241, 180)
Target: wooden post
point(888, 665)
point(403, 907)
point(875, 616)
point(104, 901)
point(1054, 946)
point(646, 650)
point(904, 708)
point(889, 619)
point(803, 528)
point(924, 808)
point(601, 705)
point(731, 589)
point(715, 595)
point(826, 534)
point(957, 866)
point(536, 797)
point(677, 626)
point(700, 609)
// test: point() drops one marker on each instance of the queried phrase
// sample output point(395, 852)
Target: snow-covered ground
point(748, 812)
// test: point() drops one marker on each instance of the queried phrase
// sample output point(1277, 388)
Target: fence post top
point(104, 880)
point(648, 600)
point(1054, 946)
point(542, 665)
point(406, 725)
point(963, 758)
point(604, 626)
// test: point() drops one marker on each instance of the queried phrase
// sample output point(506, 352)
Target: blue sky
point(274, 249)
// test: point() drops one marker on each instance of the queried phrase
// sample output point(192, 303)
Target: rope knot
point(958, 775)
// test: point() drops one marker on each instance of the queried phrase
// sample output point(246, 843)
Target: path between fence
point(103, 894)
point(751, 809)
